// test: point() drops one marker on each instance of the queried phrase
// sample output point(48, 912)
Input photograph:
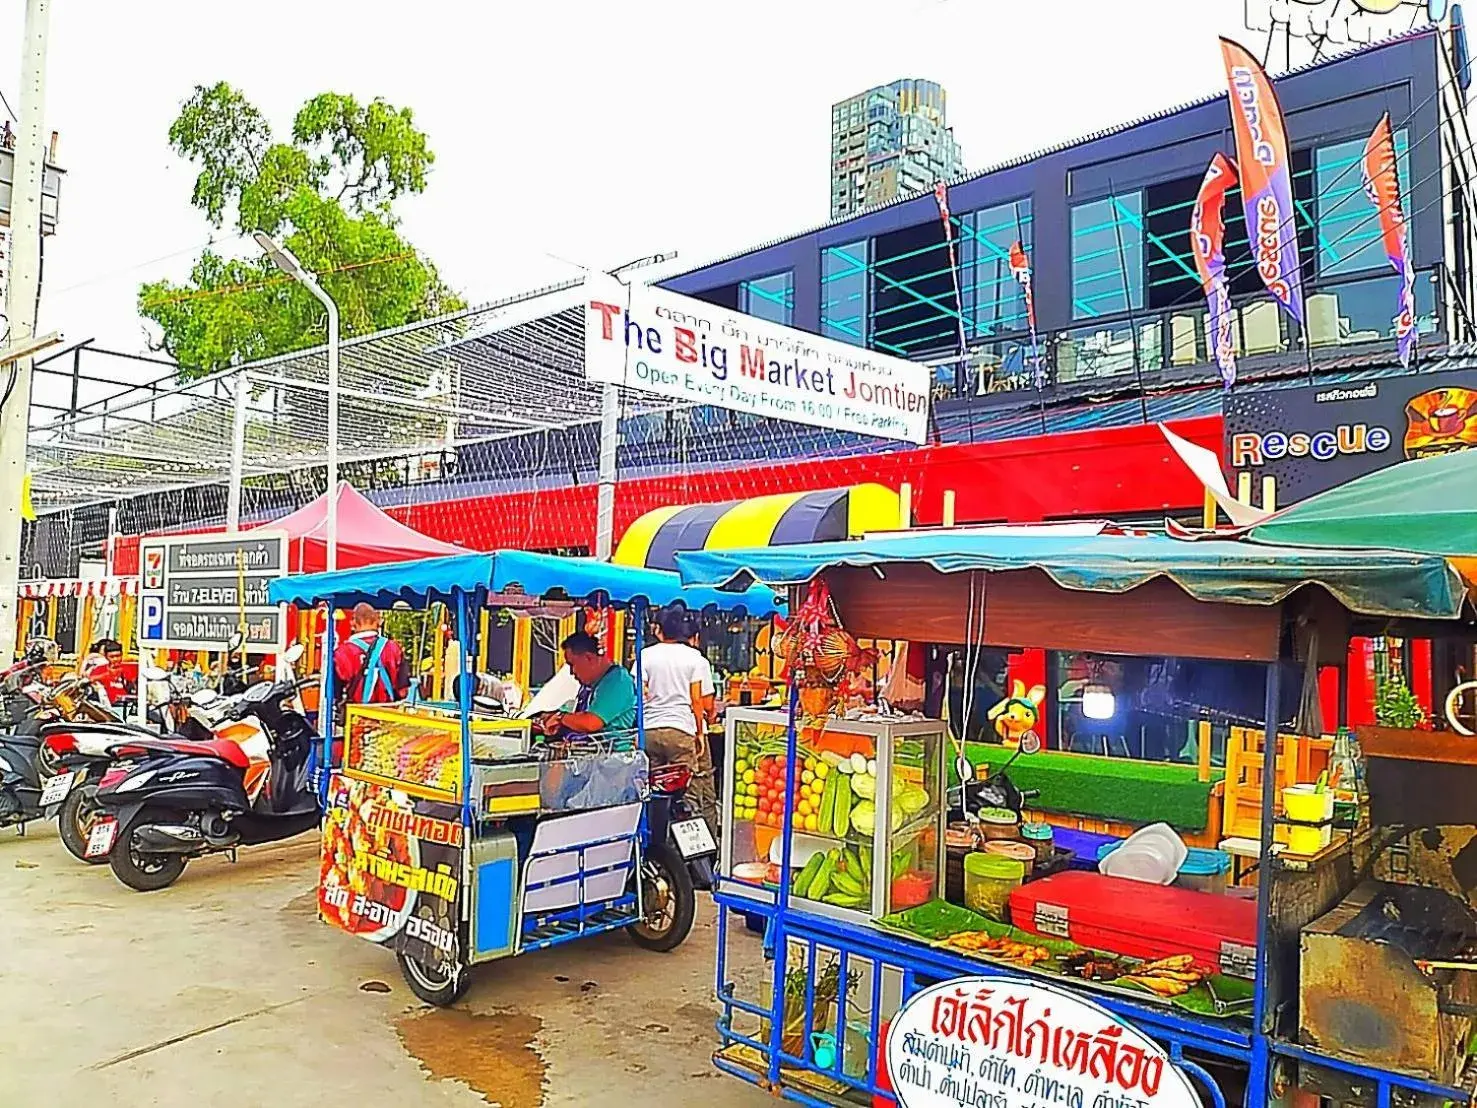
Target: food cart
point(450, 836)
point(1343, 971)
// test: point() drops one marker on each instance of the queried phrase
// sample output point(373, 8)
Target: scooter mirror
point(233, 644)
point(1030, 743)
point(293, 653)
point(202, 698)
point(154, 673)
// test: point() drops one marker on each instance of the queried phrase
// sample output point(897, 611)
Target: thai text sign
point(1005, 1043)
point(672, 345)
point(196, 592)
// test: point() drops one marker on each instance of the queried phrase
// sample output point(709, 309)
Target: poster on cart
point(390, 869)
point(1010, 1043)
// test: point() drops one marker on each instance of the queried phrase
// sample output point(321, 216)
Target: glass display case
point(419, 749)
point(867, 827)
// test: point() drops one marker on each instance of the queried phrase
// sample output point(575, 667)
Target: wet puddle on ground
point(492, 1053)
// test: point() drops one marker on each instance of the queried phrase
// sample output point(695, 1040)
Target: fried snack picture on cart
point(350, 896)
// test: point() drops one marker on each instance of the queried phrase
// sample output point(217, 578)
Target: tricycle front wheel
point(438, 985)
point(668, 902)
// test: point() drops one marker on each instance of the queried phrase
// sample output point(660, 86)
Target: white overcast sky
point(588, 132)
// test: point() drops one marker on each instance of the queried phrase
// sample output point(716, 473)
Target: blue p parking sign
point(151, 619)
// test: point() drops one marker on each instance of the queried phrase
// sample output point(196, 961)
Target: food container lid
point(998, 816)
point(1205, 863)
point(1023, 852)
point(1036, 831)
point(995, 866)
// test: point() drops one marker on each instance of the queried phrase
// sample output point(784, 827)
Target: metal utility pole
point(287, 262)
point(20, 308)
point(238, 451)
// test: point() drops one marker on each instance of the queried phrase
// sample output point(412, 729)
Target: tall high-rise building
point(888, 141)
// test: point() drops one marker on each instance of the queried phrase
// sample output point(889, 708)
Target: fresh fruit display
point(761, 774)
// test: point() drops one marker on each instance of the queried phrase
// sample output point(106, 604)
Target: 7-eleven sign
point(153, 567)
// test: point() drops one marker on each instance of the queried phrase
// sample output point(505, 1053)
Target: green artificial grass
point(1097, 787)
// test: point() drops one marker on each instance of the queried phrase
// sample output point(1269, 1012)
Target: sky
point(566, 134)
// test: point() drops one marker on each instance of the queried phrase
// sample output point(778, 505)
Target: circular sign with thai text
point(1000, 1042)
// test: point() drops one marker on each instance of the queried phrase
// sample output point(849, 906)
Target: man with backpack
point(369, 665)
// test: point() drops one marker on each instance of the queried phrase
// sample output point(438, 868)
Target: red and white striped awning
point(96, 586)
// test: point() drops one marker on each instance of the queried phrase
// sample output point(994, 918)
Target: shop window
point(771, 298)
point(1347, 224)
point(844, 283)
point(914, 309)
point(1108, 256)
point(994, 302)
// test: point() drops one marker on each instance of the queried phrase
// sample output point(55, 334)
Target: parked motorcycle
point(82, 751)
point(679, 857)
point(171, 801)
point(21, 787)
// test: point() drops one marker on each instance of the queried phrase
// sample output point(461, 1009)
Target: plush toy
point(1017, 713)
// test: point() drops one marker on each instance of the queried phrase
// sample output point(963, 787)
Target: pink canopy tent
point(366, 535)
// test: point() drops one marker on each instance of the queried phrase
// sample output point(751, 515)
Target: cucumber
point(828, 803)
point(844, 900)
point(801, 881)
point(841, 816)
point(846, 883)
point(853, 861)
point(864, 854)
point(822, 880)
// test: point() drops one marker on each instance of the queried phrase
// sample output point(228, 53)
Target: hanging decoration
point(820, 655)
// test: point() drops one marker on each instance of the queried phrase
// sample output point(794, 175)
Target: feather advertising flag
point(1266, 177)
point(1020, 269)
point(1382, 183)
point(1208, 238)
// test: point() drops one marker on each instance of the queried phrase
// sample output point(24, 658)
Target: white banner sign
point(1008, 1043)
point(672, 345)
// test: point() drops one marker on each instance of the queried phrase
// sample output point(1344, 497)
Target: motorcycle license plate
point(100, 840)
point(693, 838)
point(56, 788)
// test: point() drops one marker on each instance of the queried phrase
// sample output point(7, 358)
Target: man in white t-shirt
point(676, 684)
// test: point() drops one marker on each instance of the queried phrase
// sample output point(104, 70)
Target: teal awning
point(1428, 505)
point(1370, 582)
point(535, 575)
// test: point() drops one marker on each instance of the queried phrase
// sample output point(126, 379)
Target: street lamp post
point(284, 260)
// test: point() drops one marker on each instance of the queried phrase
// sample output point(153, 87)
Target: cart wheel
point(667, 899)
point(436, 985)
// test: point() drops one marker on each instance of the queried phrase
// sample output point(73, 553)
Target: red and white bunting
point(94, 587)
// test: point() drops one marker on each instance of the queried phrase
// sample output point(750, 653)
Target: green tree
point(327, 196)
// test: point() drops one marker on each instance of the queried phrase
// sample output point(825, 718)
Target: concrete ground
point(227, 990)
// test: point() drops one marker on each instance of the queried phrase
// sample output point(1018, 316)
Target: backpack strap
point(374, 671)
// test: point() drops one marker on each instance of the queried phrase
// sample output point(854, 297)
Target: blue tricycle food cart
point(452, 835)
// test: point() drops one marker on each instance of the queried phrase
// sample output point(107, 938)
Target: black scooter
point(172, 801)
point(21, 782)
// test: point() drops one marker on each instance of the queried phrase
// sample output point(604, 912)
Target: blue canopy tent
point(507, 571)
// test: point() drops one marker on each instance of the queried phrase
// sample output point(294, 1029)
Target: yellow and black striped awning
point(829, 515)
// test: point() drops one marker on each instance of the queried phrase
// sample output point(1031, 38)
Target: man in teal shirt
point(607, 698)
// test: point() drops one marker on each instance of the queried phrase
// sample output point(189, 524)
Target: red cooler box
point(1140, 920)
